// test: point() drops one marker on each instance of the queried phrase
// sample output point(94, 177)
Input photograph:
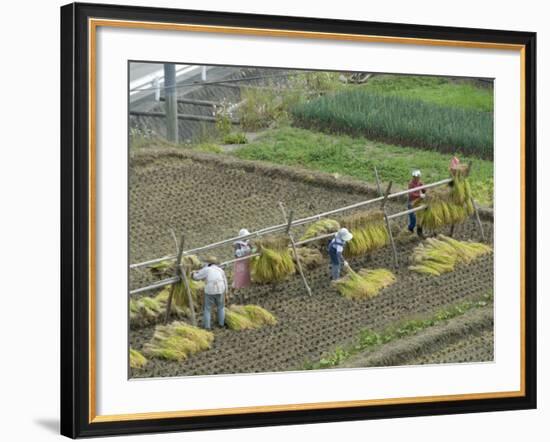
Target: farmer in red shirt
point(413, 197)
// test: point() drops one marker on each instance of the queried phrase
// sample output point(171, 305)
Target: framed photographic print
point(279, 220)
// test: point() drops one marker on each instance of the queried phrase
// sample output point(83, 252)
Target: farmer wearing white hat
point(241, 269)
point(413, 198)
point(336, 250)
point(214, 290)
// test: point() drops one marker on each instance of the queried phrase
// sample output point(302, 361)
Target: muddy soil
point(212, 203)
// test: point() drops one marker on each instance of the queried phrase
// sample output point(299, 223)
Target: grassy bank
point(357, 157)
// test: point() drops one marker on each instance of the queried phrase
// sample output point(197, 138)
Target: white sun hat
point(244, 232)
point(345, 234)
point(416, 173)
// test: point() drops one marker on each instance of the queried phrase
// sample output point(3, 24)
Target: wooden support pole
point(452, 230)
point(181, 276)
point(388, 226)
point(476, 209)
point(189, 296)
point(386, 196)
point(294, 249)
point(478, 220)
point(377, 181)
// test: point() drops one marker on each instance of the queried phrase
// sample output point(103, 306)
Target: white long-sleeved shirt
point(214, 276)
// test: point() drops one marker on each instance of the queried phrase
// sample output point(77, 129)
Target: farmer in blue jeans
point(336, 250)
point(214, 290)
point(413, 197)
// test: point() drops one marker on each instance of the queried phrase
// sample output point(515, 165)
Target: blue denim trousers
point(412, 217)
point(335, 269)
point(209, 301)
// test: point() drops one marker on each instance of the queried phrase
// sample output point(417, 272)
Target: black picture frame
point(75, 221)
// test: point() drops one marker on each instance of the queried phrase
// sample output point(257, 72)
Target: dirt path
point(213, 203)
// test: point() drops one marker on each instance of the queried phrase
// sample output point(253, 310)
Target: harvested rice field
point(210, 197)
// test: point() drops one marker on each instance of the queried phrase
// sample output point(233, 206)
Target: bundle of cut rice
point(320, 228)
point(275, 262)
point(369, 232)
point(166, 267)
point(364, 284)
point(150, 310)
point(441, 210)
point(440, 255)
point(177, 341)
point(137, 360)
point(309, 257)
point(180, 294)
point(241, 317)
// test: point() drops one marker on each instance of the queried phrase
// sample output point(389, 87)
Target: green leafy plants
point(260, 108)
point(400, 120)
point(440, 255)
point(177, 341)
point(365, 283)
point(242, 317)
point(275, 262)
point(235, 138)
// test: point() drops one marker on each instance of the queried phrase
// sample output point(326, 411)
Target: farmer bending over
point(413, 198)
point(214, 290)
point(336, 250)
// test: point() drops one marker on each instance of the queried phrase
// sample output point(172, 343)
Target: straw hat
point(211, 259)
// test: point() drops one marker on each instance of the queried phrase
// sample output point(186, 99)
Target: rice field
point(165, 186)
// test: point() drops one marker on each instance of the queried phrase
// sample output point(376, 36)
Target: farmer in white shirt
point(214, 290)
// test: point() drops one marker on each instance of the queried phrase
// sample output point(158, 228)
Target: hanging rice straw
point(369, 232)
point(321, 227)
point(275, 261)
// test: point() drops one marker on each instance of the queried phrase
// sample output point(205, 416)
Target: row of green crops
point(400, 120)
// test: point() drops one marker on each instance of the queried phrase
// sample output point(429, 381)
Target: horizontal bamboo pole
point(299, 222)
point(298, 243)
point(156, 285)
point(406, 212)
